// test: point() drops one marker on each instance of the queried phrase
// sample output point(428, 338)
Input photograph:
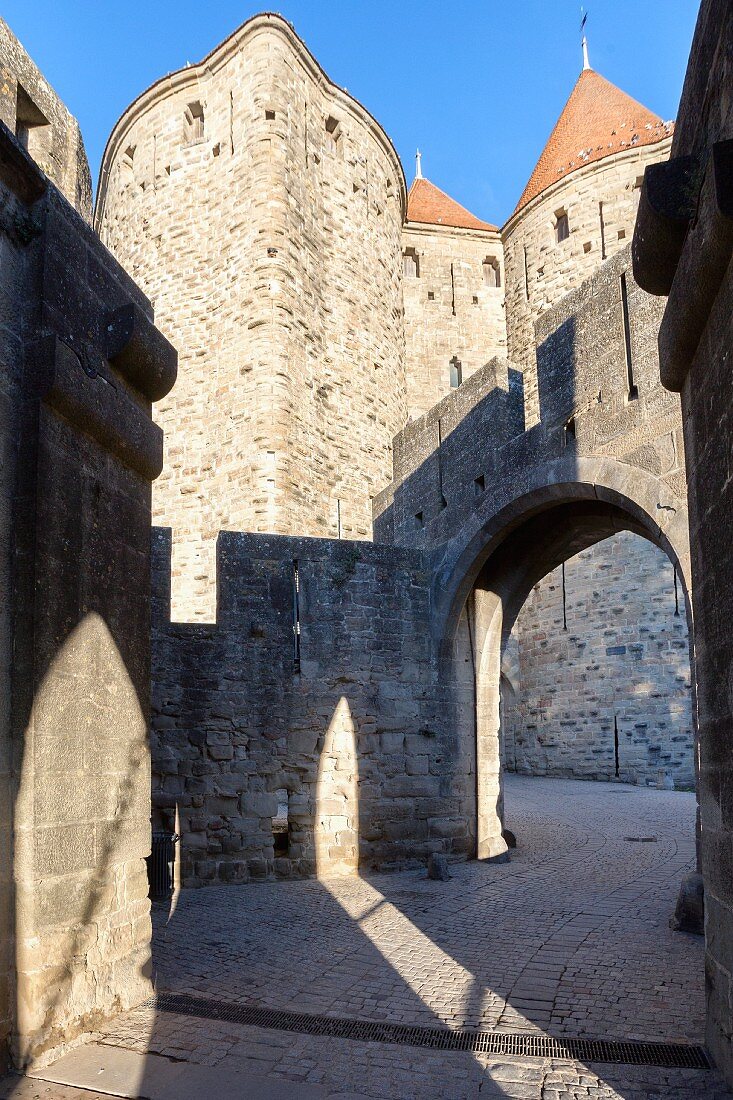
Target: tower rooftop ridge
point(598, 120)
point(428, 205)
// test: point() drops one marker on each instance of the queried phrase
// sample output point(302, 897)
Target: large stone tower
point(615, 607)
point(260, 207)
point(454, 295)
point(577, 209)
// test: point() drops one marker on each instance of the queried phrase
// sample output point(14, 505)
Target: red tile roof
point(597, 120)
point(428, 204)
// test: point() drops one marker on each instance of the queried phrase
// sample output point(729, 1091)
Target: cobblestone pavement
point(570, 938)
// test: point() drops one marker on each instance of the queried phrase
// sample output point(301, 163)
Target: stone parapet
point(314, 692)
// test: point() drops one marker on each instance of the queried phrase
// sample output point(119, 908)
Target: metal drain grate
point(633, 1053)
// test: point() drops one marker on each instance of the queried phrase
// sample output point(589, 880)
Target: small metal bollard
point(160, 864)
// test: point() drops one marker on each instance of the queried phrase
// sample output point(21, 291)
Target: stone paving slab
point(116, 1071)
point(570, 938)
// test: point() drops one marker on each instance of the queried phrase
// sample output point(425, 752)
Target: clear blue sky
point(477, 85)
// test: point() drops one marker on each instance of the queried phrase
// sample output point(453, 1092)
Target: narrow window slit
point(632, 389)
point(411, 263)
point(443, 501)
point(564, 600)
point(615, 744)
point(676, 593)
point(296, 615)
point(562, 226)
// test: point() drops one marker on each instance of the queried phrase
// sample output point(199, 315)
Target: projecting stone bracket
point(666, 208)
point(683, 242)
point(140, 352)
point(89, 401)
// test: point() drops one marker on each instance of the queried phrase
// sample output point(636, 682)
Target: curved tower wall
point(268, 238)
point(600, 201)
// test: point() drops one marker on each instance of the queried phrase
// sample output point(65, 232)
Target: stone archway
point(496, 564)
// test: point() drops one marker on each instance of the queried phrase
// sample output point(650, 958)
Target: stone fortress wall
point(80, 364)
point(43, 125)
point(316, 696)
point(600, 683)
point(261, 209)
point(600, 200)
point(310, 701)
point(453, 310)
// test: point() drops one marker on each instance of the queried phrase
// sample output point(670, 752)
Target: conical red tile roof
point(428, 204)
point(597, 120)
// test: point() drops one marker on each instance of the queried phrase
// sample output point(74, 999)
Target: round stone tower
point(577, 209)
point(260, 207)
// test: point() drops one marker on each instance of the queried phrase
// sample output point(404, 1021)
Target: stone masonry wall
point(351, 724)
point(464, 318)
point(80, 364)
point(621, 666)
point(268, 237)
point(683, 248)
point(32, 111)
point(553, 269)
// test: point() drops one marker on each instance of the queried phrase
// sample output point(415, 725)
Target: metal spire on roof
point(418, 165)
point(584, 40)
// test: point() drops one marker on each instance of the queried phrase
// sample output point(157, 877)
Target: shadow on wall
point(320, 657)
point(336, 826)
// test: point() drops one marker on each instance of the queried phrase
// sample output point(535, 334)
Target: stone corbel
point(89, 400)
point(141, 354)
point(683, 243)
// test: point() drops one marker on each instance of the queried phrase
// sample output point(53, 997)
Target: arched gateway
point(495, 508)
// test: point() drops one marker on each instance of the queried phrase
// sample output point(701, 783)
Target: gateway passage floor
point(571, 938)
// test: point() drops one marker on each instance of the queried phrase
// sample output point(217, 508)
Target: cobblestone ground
point(570, 938)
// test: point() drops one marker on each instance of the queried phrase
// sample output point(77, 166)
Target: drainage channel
point(518, 1044)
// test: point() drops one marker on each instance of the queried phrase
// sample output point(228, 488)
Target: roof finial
point(418, 165)
point(584, 40)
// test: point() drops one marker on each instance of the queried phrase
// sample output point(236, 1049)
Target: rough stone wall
point(271, 249)
point(611, 658)
point(464, 318)
point(32, 111)
point(585, 412)
point(683, 247)
point(16, 288)
point(352, 724)
point(553, 269)
point(81, 451)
